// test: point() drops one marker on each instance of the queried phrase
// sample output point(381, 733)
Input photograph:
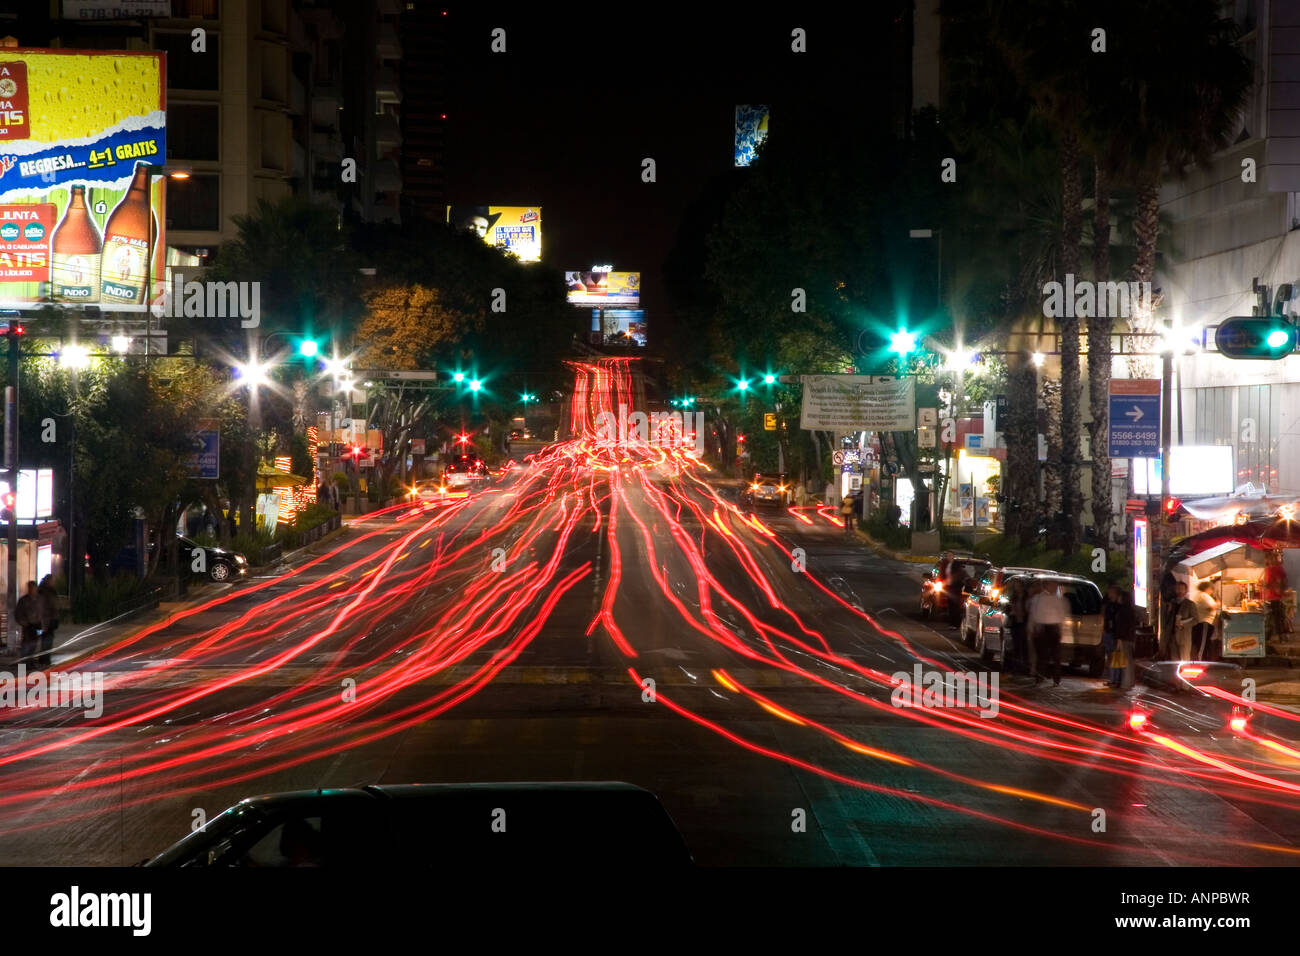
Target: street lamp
point(74, 356)
point(155, 171)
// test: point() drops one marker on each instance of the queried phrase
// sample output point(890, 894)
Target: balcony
point(387, 45)
point(387, 178)
point(388, 132)
point(388, 88)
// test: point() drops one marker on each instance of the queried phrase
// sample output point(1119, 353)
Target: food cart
point(1236, 554)
point(1235, 571)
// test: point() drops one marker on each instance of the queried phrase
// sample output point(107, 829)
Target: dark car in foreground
point(442, 826)
point(218, 564)
point(945, 596)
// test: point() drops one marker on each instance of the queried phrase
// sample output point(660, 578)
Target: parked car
point(987, 628)
point(218, 563)
point(945, 598)
point(986, 598)
point(447, 827)
point(768, 488)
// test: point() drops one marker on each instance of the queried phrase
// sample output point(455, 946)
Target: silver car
point(986, 623)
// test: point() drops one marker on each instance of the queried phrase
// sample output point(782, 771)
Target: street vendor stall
point(1235, 571)
point(1247, 556)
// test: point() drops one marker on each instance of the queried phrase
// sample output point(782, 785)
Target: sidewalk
point(78, 640)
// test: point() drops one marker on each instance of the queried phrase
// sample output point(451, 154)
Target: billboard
point(80, 216)
point(1193, 470)
point(517, 229)
point(619, 326)
point(603, 288)
point(853, 403)
point(751, 130)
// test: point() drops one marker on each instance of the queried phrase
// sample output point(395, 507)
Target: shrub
point(100, 600)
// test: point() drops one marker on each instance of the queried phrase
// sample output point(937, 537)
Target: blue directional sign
point(206, 461)
point(1134, 418)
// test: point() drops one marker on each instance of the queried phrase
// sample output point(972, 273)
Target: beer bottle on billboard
point(128, 244)
point(75, 250)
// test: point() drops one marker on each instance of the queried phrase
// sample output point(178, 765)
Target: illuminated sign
point(1193, 470)
point(1140, 557)
point(35, 494)
point(516, 229)
point(80, 215)
point(603, 288)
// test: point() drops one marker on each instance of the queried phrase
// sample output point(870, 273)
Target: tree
point(406, 325)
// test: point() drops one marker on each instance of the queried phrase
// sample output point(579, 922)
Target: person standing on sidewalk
point(1046, 617)
point(27, 612)
point(1207, 612)
point(1109, 608)
point(1126, 624)
point(846, 512)
point(1272, 590)
point(1184, 618)
point(47, 600)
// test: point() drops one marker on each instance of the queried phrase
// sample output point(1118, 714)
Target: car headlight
point(240, 559)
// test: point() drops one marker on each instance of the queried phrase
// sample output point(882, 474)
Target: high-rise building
point(423, 124)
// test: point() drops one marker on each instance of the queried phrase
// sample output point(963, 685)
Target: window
point(187, 70)
point(275, 74)
point(1083, 598)
point(295, 842)
point(193, 131)
point(194, 203)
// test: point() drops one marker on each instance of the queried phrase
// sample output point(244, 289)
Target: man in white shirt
point(1207, 611)
point(1047, 613)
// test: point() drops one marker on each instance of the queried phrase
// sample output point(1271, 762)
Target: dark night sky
point(565, 117)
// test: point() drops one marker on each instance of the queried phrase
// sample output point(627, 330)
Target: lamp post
point(155, 171)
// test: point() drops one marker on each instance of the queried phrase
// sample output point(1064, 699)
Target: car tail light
point(1190, 671)
point(1137, 720)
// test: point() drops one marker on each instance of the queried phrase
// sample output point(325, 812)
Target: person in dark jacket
point(1109, 607)
point(27, 613)
point(1126, 625)
point(47, 601)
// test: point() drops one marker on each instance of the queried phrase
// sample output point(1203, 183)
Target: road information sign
point(769, 421)
point(853, 403)
point(1134, 418)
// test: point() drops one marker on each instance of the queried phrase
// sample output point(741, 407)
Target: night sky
point(564, 118)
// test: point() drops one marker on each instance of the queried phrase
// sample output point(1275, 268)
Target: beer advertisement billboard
point(516, 229)
point(80, 216)
point(603, 288)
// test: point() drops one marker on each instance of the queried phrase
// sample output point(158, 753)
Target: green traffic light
point(1277, 338)
point(743, 384)
point(1255, 337)
point(458, 377)
point(769, 379)
point(903, 342)
point(308, 348)
point(475, 385)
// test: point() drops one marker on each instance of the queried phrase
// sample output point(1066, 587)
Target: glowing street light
point(74, 356)
point(252, 373)
point(1039, 358)
point(121, 344)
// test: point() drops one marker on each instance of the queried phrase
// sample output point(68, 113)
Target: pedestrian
point(1018, 615)
point(1109, 609)
point(1033, 592)
point(1168, 601)
point(1184, 618)
point(945, 560)
point(1126, 623)
point(27, 612)
point(1272, 591)
point(829, 497)
point(1047, 615)
point(846, 512)
point(48, 608)
point(1207, 612)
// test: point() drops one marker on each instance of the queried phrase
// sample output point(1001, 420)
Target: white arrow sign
point(1136, 414)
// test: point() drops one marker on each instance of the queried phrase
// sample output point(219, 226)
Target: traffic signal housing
point(1265, 337)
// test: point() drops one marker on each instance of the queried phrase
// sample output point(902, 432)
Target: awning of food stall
point(1230, 554)
point(1266, 534)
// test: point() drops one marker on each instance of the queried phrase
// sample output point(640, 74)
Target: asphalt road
point(510, 635)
